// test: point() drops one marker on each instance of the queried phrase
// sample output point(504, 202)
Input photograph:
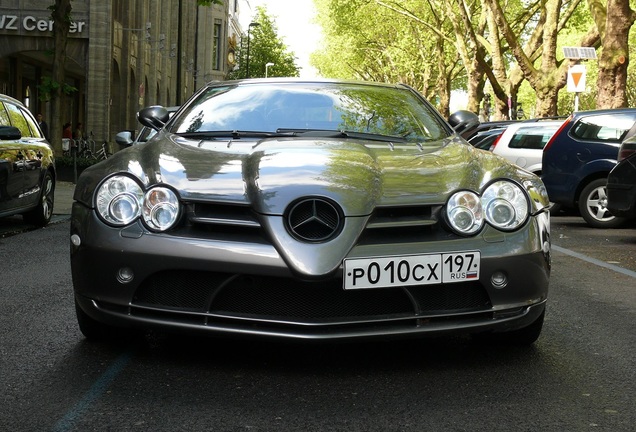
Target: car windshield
point(347, 110)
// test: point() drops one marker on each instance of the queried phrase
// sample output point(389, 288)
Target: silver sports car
point(322, 210)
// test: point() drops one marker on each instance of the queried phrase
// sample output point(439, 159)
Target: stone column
point(98, 79)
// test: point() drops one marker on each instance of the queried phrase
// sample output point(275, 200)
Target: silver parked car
point(522, 143)
point(310, 210)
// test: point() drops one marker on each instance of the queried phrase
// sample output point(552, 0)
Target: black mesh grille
point(459, 297)
point(180, 290)
point(291, 300)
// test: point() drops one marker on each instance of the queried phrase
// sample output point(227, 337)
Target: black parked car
point(486, 138)
point(621, 182)
point(27, 165)
point(578, 158)
point(312, 210)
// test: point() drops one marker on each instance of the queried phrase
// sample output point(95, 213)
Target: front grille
point(387, 224)
point(293, 301)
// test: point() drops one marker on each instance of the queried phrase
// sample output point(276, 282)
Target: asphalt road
point(579, 376)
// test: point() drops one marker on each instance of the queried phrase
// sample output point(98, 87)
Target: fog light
point(75, 240)
point(125, 275)
point(499, 280)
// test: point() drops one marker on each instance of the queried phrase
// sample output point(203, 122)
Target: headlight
point(161, 208)
point(506, 205)
point(120, 200)
point(464, 212)
point(503, 204)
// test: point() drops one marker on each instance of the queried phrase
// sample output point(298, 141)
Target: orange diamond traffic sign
point(576, 79)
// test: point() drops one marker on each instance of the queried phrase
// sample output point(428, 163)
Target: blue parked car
point(578, 158)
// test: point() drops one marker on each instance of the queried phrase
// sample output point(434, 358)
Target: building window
point(217, 45)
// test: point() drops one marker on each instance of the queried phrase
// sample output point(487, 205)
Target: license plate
point(426, 269)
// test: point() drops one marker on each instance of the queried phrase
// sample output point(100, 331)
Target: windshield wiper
point(325, 133)
point(235, 134)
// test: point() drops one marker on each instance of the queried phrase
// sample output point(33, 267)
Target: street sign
point(576, 79)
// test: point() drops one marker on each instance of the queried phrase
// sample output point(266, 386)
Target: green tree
point(265, 46)
point(482, 46)
point(61, 17)
point(390, 41)
point(614, 19)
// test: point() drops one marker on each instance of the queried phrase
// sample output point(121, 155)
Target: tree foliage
point(265, 46)
point(510, 50)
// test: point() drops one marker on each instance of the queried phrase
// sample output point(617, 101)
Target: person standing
point(43, 126)
point(66, 131)
point(78, 134)
point(67, 135)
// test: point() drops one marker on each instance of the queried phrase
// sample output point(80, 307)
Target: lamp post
point(247, 61)
point(267, 65)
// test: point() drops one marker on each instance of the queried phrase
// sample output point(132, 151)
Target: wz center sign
point(21, 24)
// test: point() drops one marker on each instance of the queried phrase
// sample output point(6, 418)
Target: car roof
point(517, 126)
point(578, 114)
point(7, 98)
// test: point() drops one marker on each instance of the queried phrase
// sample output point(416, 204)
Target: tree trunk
point(547, 101)
point(614, 59)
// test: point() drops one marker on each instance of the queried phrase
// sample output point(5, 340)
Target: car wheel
point(593, 206)
point(555, 208)
point(523, 336)
point(94, 330)
point(42, 213)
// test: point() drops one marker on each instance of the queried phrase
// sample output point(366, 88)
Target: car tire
point(593, 206)
point(96, 331)
point(555, 208)
point(521, 337)
point(42, 213)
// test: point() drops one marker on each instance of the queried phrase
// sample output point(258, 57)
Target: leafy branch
point(49, 87)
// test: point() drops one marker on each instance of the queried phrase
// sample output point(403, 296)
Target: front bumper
point(194, 284)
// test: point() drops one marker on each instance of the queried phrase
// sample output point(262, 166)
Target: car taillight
point(627, 149)
point(553, 138)
point(494, 143)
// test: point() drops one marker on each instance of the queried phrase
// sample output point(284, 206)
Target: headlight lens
point(506, 205)
point(120, 200)
point(465, 212)
point(503, 205)
point(161, 208)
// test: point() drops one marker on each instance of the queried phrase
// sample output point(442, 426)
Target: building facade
point(122, 55)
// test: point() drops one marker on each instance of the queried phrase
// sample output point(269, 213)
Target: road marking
point(595, 261)
point(98, 388)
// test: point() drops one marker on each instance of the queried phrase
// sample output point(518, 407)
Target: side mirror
point(10, 133)
point(155, 117)
point(124, 138)
point(463, 121)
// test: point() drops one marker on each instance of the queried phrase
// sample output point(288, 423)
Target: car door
point(11, 172)
point(31, 150)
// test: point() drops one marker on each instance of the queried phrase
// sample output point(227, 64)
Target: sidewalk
point(63, 198)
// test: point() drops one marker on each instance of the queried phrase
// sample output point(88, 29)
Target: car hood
point(270, 173)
